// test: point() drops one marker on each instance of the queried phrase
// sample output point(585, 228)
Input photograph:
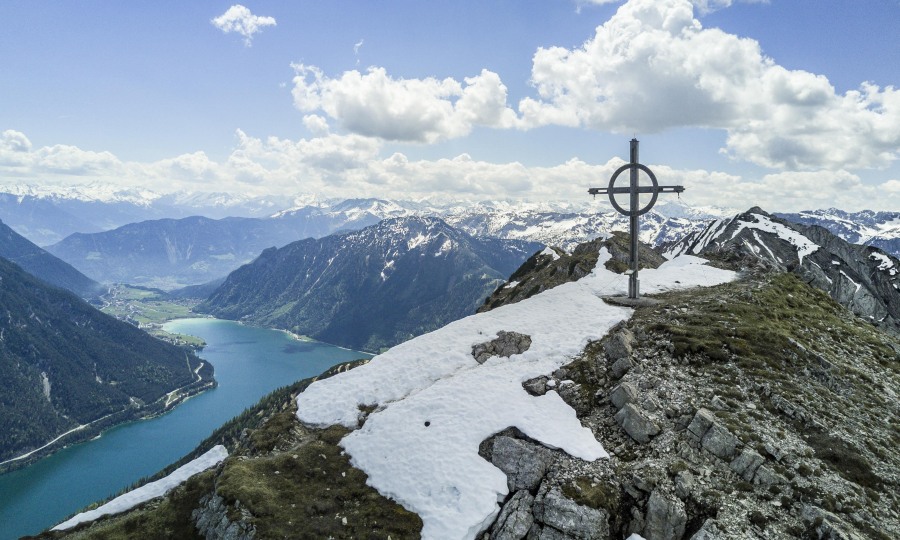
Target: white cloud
point(316, 124)
point(333, 165)
point(415, 110)
point(12, 141)
point(653, 66)
point(703, 6)
point(239, 19)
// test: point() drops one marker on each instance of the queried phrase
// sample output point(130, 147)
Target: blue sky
point(754, 102)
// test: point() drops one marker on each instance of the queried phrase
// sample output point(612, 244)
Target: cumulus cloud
point(240, 20)
point(653, 66)
point(414, 110)
point(703, 6)
point(352, 165)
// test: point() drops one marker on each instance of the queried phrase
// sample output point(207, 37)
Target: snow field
point(149, 491)
point(435, 404)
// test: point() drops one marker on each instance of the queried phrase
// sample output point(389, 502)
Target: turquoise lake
point(249, 363)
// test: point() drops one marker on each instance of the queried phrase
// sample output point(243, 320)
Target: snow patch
point(549, 251)
point(436, 404)
point(149, 491)
point(885, 262)
point(511, 285)
point(803, 244)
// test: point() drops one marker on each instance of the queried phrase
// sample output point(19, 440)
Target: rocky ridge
point(755, 409)
point(865, 279)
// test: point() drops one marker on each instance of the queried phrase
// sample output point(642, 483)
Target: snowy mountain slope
point(862, 278)
point(568, 228)
point(447, 405)
point(370, 288)
point(879, 229)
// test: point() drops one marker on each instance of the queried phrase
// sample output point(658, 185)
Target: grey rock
point(620, 367)
point(515, 518)
point(746, 464)
point(636, 423)
point(623, 394)
point(524, 463)
point(549, 533)
point(827, 525)
point(709, 531)
point(212, 522)
point(620, 345)
point(684, 484)
point(700, 424)
point(506, 344)
point(766, 476)
point(666, 518)
point(555, 511)
point(718, 403)
point(536, 386)
point(720, 442)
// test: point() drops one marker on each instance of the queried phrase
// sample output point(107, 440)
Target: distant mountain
point(864, 279)
point(879, 229)
point(47, 214)
point(43, 265)
point(169, 253)
point(173, 253)
point(371, 288)
point(64, 364)
point(554, 225)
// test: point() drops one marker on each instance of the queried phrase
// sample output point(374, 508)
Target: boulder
point(536, 386)
point(505, 344)
point(556, 511)
point(700, 424)
point(720, 442)
point(515, 518)
point(623, 394)
point(746, 464)
point(524, 463)
point(636, 423)
point(666, 518)
point(620, 367)
point(619, 345)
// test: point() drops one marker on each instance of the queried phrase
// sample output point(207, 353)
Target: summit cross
point(634, 211)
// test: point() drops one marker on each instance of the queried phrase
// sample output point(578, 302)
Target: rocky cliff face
point(750, 410)
point(864, 279)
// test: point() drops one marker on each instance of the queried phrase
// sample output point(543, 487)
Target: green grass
point(150, 309)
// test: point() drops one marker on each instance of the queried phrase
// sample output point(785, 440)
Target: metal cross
point(634, 211)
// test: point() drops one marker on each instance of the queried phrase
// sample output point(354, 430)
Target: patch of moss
point(843, 458)
point(601, 496)
point(309, 491)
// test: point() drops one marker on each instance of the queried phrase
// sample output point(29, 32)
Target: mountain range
point(740, 399)
point(371, 288)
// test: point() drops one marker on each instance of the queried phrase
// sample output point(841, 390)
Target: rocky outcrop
point(864, 279)
point(506, 344)
point(553, 266)
point(721, 428)
point(212, 522)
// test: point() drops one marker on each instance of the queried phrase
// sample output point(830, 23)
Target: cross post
point(634, 190)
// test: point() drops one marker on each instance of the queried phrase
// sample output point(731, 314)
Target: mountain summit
point(371, 288)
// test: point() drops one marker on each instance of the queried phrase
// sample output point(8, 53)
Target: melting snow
point(803, 244)
point(548, 251)
point(417, 241)
point(436, 404)
point(885, 262)
point(149, 491)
